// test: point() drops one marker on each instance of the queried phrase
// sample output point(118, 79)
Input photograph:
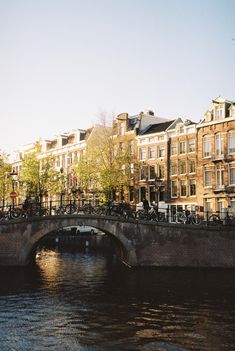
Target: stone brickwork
point(140, 243)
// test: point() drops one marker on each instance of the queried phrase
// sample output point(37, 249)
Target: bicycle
point(180, 218)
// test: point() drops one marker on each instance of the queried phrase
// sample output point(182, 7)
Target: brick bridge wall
point(140, 243)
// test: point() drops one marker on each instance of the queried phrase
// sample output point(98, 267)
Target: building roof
point(156, 128)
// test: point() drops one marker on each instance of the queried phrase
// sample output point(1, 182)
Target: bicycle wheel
point(15, 213)
point(214, 218)
point(195, 219)
point(161, 217)
point(181, 218)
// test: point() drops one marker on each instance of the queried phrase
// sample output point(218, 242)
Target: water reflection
point(82, 301)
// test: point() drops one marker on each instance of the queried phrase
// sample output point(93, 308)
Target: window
point(221, 208)
point(208, 206)
point(151, 140)
point(206, 147)
point(191, 145)
point(131, 147)
point(161, 137)
point(173, 168)
point(232, 175)
point(161, 194)
point(207, 177)
point(152, 174)
point(161, 151)
point(174, 190)
point(192, 187)
point(151, 152)
point(219, 145)
point(182, 166)
point(142, 173)
point(142, 193)
point(219, 176)
point(174, 149)
point(232, 204)
point(182, 147)
point(183, 188)
point(122, 128)
point(218, 113)
point(191, 166)
point(181, 130)
point(231, 143)
point(161, 171)
point(143, 153)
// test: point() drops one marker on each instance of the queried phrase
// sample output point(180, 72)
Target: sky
point(63, 63)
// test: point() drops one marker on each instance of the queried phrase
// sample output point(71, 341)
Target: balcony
point(222, 157)
point(218, 157)
point(230, 189)
point(218, 188)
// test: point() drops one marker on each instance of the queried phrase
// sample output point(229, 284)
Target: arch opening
point(71, 238)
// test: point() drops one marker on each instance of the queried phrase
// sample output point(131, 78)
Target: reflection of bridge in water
point(139, 243)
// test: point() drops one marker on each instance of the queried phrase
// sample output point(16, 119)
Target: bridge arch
point(120, 250)
point(35, 229)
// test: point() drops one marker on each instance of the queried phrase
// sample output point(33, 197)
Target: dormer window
point(218, 113)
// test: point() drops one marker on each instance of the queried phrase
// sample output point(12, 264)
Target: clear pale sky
point(63, 62)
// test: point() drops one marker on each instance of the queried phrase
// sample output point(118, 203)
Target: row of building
point(177, 163)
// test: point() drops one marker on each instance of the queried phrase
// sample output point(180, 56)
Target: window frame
point(176, 187)
point(182, 151)
point(185, 187)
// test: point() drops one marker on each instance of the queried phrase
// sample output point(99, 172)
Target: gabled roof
point(221, 100)
point(156, 128)
point(186, 122)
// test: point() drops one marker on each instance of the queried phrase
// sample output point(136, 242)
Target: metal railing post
point(50, 207)
point(207, 218)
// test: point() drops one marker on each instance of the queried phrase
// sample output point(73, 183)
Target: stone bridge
point(139, 243)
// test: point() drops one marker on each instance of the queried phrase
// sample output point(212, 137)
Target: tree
point(5, 181)
point(104, 166)
point(38, 177)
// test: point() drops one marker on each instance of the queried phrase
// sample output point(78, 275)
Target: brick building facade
point(216, 157)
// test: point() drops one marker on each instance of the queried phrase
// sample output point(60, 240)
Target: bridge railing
point(123, 210)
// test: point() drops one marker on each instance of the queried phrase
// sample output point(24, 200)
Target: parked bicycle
point(187, 217)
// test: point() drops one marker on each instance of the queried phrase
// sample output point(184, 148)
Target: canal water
point(83, 301)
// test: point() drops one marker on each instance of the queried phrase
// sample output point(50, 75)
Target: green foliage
point(38, 177)
point(5, 179)
point(103, 166)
